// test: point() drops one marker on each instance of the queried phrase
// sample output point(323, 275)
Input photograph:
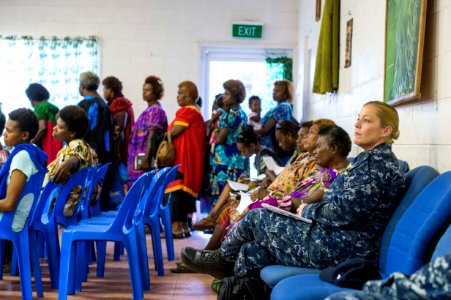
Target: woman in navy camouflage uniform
point(349, 222)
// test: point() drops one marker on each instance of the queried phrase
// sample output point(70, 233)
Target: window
point(54, 62)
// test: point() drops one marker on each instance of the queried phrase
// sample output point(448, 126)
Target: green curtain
point(327, 57)
point(54, 62)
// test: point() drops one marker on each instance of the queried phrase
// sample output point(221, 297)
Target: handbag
point(166, 152)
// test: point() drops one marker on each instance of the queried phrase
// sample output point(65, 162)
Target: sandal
point(204, 224)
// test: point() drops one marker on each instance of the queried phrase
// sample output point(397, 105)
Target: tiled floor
point(116, 284)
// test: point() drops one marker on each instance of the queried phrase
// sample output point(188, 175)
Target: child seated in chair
point(71, 126)
point(24, 161)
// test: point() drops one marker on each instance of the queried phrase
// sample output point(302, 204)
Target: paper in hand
point(237, 186)
point(271, 165)
point(244, 202)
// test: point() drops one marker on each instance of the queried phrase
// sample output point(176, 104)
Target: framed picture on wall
point(348, 46)
point(404, 39)
point(318, 10)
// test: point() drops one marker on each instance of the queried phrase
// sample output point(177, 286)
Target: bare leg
point(216, 239)
point(209, 221)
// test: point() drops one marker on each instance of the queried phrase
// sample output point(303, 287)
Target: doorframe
point(210, 53)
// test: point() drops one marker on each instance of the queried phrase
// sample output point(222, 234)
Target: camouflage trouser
point(432, 281)
point(264, 238)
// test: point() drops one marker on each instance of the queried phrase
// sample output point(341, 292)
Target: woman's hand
point(300, 208)
point(266, 182)
point(145, 166)
point(65, 170)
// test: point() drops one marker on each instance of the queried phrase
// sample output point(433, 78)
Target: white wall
point(160, 37)
point(424, 136)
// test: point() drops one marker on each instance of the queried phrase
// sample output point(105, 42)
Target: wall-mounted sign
point(247, 30)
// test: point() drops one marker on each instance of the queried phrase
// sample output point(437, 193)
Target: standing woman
point(188, 132)
point(150, 124)
point(46, 112)
point(283, 95)
point(226, 161)
point(123, 117)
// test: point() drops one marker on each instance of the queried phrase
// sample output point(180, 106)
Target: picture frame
point(348, 45)
point(404, 39)
point(318, 10)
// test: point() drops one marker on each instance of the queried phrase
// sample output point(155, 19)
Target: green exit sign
point(247, 30)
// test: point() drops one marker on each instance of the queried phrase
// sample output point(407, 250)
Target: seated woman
point(71, 126)
point(329, 148)
point(24, 161)
point(287, 133)
point(362, 198)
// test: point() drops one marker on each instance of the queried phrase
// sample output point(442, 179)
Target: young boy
point(255, 105)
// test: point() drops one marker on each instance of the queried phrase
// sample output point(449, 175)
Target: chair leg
point(132, 255)
point(168, 237)
point(23, 256)
point(101, 257)
point(67, 265)
point(156, 244)
point(117, 251)
point(53, 255)
point(143, 257)
point(36, 265)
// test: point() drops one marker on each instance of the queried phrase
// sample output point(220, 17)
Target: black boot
point(207, 261)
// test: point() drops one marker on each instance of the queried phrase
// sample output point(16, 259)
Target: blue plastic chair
point(49, 192)
point(413, 233)
point(416, 180)
point(85, 249)
point(121, 230)
point(51, 218)
point(150, 203)
point(164, 211)
point(24, 240)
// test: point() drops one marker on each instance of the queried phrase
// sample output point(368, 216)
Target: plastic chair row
point(146, 195)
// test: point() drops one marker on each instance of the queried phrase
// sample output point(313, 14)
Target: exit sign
point(247, 30)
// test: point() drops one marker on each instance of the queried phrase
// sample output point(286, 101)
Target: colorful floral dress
point(227, 162)
point(154, 117)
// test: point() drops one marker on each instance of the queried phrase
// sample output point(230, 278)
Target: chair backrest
point(155, 199)
point(77, 179)
point(417, 225)
point(151, 193)
point(33, 187)
point(444, 244)
point(49, 192)
point(131, 200)
point(169, 178)
point(94, 190)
